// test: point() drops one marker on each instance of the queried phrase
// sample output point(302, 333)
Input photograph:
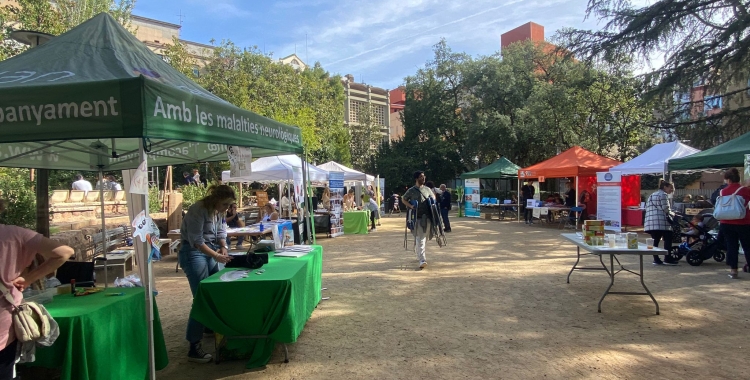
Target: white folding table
point(612, 252)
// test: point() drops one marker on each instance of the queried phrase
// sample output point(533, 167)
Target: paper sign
point(139, 182)
point(240, 158)
point(530, 203)
point(141, 226)
point(145, 229)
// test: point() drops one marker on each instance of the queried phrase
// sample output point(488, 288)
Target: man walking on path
point(527, 192)
point(423, 226)
point(445, 206)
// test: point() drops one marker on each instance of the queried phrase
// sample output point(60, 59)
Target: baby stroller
point(393, 204)
point(703, 246)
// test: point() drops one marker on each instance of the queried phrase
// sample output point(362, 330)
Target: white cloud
point(377, 39)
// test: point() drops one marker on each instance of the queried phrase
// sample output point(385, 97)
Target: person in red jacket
point(736, 232)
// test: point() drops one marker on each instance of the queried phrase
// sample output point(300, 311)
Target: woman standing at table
point(204, 243)
point(737, 231)
point(657, 223)
point(18, 246)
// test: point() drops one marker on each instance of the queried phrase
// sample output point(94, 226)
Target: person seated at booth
point(269, 213)
point(233, 221)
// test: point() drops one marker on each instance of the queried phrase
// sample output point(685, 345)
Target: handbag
point(730, 207)
point(255, 258)
point(29, 322)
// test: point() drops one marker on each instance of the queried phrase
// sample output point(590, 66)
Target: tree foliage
point(365, 138)
point(312, 99)
point(705, 46)
point(527, 104)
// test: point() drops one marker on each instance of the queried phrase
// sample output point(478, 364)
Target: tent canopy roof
point(730, 154)
point(501, 168)
point(574, 162)
point(277, 168)
point(655, 159)
point(349, 173)
point(74, 101)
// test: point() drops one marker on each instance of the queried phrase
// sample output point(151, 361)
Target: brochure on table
point(471, 197)
point(336, 187)
point(609, 199)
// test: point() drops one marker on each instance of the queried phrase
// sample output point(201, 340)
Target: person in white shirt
point(112, 184)
point(82, 184)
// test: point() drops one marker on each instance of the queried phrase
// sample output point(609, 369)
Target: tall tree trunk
point(42, 201)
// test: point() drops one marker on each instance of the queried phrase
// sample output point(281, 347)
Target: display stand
point(336, 187)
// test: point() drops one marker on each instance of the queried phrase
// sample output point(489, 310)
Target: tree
point(704, 42)
point(312, 100)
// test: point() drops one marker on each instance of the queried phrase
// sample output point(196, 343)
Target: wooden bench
point(116, 237)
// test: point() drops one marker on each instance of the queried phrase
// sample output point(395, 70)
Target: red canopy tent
point(581, 164)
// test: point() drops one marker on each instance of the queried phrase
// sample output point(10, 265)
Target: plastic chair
point(484, 201)
point(572, 219)
point(493, 201)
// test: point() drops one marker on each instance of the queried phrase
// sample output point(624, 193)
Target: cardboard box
point(486, 215)
point(594, 222)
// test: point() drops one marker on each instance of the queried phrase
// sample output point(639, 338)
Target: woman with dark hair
point(737, 231)
point(18, 247)
point(657, 223)
point(204, 244)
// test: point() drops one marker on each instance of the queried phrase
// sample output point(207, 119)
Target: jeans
point(734, 235)
point(197, 266)
point(658, 235)
point(8, 361)
point(372, 219)
point(446, 222)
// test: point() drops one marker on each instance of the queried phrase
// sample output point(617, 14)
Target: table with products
point(102, 337)
point(270, 305)
point(602, 250)
point(356, 222)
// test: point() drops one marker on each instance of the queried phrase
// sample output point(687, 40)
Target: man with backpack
point(423, 226)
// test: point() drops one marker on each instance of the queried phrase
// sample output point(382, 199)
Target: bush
point(18, 190)
point(192, 194)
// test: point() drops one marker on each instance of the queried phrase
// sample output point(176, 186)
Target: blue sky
point(379, 42)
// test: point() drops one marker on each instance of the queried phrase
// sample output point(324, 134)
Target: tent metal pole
point(148, 282)
point(518, 196)
point(577, 201)
point(307, 201)
point(104, 225)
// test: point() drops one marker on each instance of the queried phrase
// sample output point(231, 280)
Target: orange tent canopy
point(574, 162)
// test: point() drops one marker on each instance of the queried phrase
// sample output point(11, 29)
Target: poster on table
point(336, 187)
point(471, 197)
point(609, 199)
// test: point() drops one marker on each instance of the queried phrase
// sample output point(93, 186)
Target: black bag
point(252, 259)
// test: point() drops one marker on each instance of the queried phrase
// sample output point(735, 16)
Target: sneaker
point(733, 276)
point(373, 229)
point(672, 263)
point(197, 355)
point(422, 264)
point(658, 262)
point(446, 230)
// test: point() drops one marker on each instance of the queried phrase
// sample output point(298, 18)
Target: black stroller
point(698, 244)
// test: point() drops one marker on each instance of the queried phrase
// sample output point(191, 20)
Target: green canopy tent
point(730, 154)
point(501, 168)
point(96, 98)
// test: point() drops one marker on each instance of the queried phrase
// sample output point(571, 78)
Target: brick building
point(358, 95)
point(528, 31)
point(398, 102)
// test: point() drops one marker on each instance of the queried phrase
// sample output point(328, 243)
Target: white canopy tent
point(278, 169)
point(655, 160)
point(349, 173)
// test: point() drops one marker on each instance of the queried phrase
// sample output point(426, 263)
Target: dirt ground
point(494, 304)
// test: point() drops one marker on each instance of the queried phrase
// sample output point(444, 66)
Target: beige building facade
point(358, 96)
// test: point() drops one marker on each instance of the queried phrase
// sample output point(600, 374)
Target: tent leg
point(104, 226)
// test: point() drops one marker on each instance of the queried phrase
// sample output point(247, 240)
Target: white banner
point(240, 159)
point(139, 181)
point(609, 200)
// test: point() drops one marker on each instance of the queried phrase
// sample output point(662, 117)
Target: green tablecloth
point(276, 303)
point(102, 337)
point(356, 222)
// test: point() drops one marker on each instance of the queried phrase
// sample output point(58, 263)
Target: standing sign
point(472, 198)
point(746, 172)
point(336, 186)
point(609, 199)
